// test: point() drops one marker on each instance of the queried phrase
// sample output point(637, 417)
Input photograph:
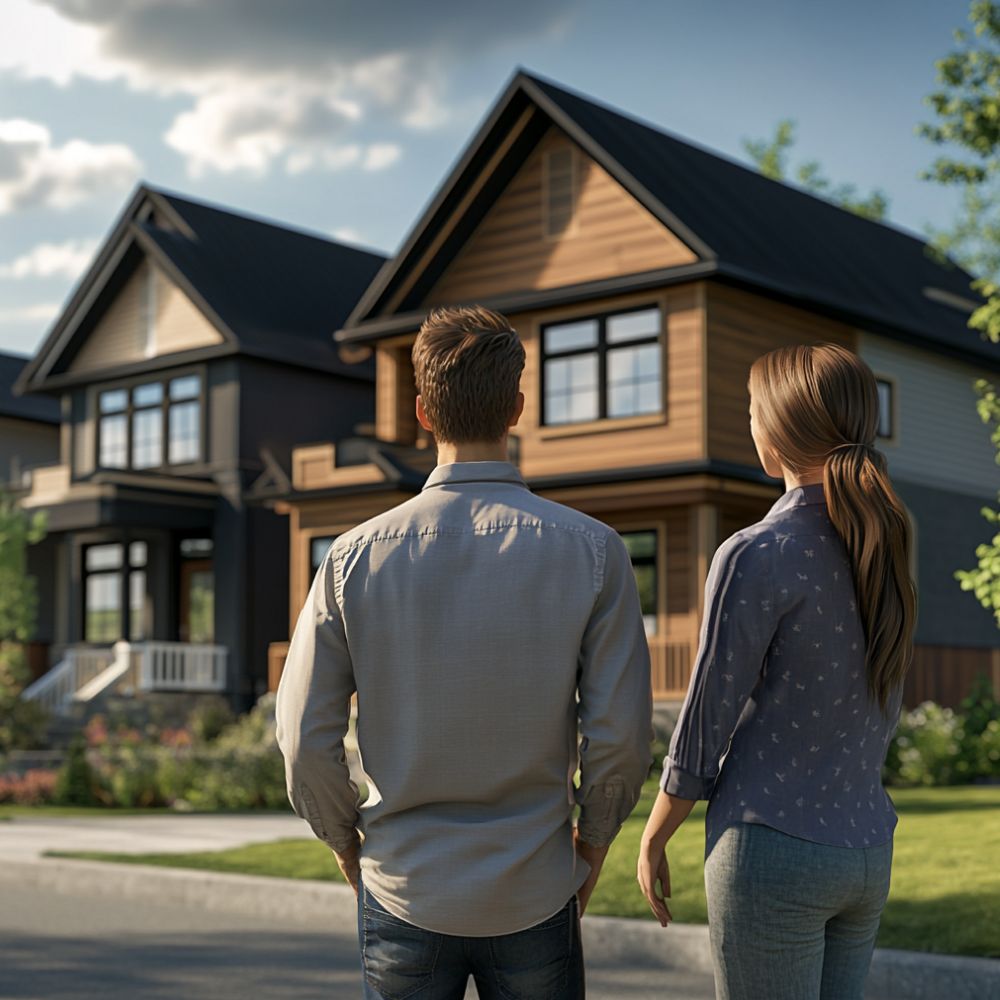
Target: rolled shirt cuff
point(603, 810)
point(683, 784)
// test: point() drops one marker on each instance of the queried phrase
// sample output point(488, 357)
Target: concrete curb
point(895, 975)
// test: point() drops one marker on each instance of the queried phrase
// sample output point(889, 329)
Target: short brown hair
point(467, 363)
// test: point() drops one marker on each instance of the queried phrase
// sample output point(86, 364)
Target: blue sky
point(344, 117)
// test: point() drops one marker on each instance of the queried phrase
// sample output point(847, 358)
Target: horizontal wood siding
point(611, 234)
point(939, 438)
point(740, 327)
point(119, 335)
point(612, 444)
point(179, 324)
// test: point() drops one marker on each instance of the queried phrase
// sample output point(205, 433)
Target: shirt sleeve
point(738, 626)
point(313, 710)
point(615, 703)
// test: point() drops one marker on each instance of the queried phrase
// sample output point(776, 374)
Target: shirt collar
point(798, 496)
point(474, 472)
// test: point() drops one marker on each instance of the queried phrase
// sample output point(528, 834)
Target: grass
point(945, 887)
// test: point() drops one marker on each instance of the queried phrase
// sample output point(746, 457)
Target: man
point(478, 624)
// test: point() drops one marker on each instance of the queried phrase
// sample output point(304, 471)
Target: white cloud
point(380, 155)
point(272, 85)
point(33, 171)
point(43, 312)
point(47, 260)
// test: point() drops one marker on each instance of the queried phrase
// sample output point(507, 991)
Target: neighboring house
point(645, 274)
point(29, 437)
point(192, 355)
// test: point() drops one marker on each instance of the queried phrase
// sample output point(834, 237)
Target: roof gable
point(743, 227)
point(266, 290)
point(609, 233)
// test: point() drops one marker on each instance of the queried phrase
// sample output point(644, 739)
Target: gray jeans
point(790, 919)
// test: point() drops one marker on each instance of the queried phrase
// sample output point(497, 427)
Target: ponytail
point(873, 525)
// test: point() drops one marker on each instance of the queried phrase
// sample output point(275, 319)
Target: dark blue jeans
point(403, 962)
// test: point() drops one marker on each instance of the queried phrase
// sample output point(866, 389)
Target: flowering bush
point(240, 768)
point(33, 788)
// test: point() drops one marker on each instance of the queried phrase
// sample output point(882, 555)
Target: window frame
point(602, 348)
point(893, 436)
point(124, 572)
point(163, 379)
point(659, 530)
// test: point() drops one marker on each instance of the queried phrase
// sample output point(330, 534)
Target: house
point(29, 437)
point(645, 274)
point(190, 358)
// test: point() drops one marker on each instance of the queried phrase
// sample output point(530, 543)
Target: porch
point(86, 672)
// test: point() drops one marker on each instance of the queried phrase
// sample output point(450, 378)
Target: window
point(605, 366)
point(134, 421)
point(641, 547)
point(114, 592)
point(560, 190)
point(885, 401)
point(318, 546)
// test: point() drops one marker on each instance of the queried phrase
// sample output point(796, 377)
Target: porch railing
point(181, 666)
point(88, 671)
point(77, 669)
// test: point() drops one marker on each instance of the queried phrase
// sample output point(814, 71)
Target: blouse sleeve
point(740, 620)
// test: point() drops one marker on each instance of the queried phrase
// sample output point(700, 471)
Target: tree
point(20, 721)
point(967, 130)
point(771, 159)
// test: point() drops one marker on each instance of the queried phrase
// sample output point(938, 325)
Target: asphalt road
point(55, 946)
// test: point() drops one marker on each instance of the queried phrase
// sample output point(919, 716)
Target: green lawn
point(945, 889)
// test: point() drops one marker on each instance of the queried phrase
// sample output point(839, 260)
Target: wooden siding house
point(190, 358)
point(645, 274)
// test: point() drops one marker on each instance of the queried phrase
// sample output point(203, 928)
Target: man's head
point(467, 363)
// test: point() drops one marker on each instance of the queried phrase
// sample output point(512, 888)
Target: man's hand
point(652, 869)
point(594, 856)
point(349, 862)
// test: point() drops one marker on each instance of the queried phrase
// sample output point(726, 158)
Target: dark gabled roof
point(744, 227)
point(39, 408)
point(273, 292)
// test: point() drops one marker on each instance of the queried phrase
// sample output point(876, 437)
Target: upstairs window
point(601, 367)
point(885, 401)
point(559, 190)
point(150, 425)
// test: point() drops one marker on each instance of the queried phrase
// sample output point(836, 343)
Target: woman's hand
point(654, 870)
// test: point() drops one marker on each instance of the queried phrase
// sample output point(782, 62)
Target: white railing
point(88, 671)
point(181, 666)
point(79, 666)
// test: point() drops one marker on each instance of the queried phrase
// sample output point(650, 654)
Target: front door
point(197, 601)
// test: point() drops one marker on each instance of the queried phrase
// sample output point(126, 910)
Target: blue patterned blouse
point(778, 726)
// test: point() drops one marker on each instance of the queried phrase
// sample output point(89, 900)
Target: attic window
point(559, 190)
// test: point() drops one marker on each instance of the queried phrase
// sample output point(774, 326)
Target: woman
point(805, 641)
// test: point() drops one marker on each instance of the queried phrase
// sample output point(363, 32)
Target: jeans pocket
point(535, 962)
point(398, 958)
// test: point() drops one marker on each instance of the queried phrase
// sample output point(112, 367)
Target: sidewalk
point(895, 975)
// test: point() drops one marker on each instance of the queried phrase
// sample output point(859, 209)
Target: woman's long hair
point(817, 405)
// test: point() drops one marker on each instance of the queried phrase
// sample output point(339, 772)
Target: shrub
point(209, 718)
point(33, 788)
point(76, 784)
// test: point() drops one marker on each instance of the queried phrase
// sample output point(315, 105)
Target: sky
point(344, 117)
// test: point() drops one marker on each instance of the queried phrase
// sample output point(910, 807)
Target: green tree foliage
point(20, 722)
point(770, 156)
point(966, 129)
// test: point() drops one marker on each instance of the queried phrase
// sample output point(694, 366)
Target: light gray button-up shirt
point(778, 726)
point(480, 625)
